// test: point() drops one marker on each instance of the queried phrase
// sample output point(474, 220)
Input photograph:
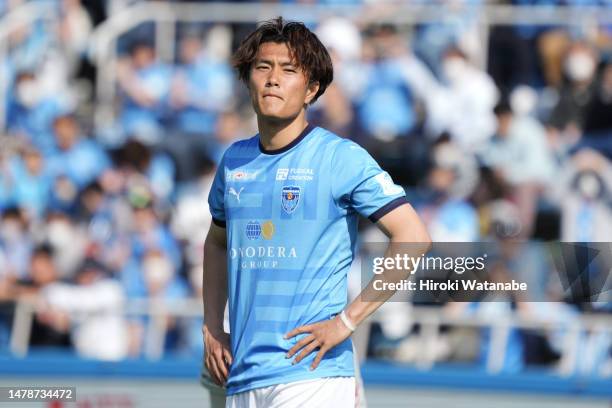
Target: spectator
point(31, 112)
point(468, 106)
point(93, 307)
point(160, 277)
point(459, 26)
point(29, 45)
point(343, 40)
point(336, 109)
point(160, 283)
point(68, 240)
point(145, 85)
point(64, 195)
point(386, 106)
point(47, 329)
point(31, 182)
point(140, 164)
point(598, 120)
point(388, 110)
point(102, 214)
point(16, 243)
point(201, 89)
point(448, 215)
point(79, 159)
point(583, 191)
point(147, 234)
point(191, 218)
point(336, 113)
point(519, 152)
point(575, 94)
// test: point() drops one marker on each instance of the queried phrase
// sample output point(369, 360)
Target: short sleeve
point(361, 184)
point(216, 197)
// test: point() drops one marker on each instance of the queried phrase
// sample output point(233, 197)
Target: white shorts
point(328, 392)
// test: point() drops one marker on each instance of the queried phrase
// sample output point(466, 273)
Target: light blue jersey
point(291, 217)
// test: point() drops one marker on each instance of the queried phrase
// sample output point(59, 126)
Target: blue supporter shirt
point(291, 217)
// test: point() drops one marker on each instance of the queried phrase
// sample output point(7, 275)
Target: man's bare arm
point(407, 235)
point(215, 277)
point(218, 357)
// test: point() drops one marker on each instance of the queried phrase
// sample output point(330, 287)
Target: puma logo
point(233, 191)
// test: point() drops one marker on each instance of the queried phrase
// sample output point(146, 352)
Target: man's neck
point(276, 135)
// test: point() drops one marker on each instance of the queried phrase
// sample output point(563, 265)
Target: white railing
point(430, 319)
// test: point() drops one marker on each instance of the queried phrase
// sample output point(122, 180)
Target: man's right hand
point(218, 357)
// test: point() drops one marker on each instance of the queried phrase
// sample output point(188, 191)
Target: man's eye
point(292, 70)
point(262, 67)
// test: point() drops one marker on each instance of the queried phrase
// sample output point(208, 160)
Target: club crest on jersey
point(291, 198)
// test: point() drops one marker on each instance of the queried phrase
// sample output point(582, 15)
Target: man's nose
point(273, 77)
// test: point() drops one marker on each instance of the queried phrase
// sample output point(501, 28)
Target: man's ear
point(313, 88)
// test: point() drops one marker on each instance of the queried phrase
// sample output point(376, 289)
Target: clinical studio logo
point(290, 198)
point(241, 175)
point(254, 230)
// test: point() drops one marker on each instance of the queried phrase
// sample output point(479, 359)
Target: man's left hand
point(323, 335)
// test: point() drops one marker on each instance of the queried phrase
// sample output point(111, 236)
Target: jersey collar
point(293, 143)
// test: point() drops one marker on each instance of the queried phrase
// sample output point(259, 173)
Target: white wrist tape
point(346, 321)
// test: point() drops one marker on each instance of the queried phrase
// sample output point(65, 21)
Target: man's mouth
point(271, 95)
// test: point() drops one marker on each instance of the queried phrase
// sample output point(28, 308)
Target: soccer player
point(285, 206)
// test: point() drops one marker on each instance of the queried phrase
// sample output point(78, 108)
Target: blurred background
point(496, 117)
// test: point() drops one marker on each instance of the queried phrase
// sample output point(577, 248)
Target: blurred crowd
point(509, 138)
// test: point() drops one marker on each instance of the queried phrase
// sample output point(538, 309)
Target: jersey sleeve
point(359, 183)
point(216, 197)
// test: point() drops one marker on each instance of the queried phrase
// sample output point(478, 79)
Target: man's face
point(279, 89)
point(33, 161)
point(42, 270)
point(66, 133)
point(143, 56)
point(190, 49)
point(504, 121)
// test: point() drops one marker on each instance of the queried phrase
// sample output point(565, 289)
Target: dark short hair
point(67, 116)
point(45, 249)
point(305, 48)
point(138, 44)
point(503, 107)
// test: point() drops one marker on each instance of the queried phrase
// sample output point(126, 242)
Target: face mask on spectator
point(589, 185)
point(28, 93)
point(157, 271)
point(59, 233)
point(523, 100)
point(10, 231)
point(453, 68)
point(579, 66)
